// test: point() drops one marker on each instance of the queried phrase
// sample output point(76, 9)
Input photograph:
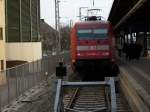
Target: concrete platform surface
point(139, 70)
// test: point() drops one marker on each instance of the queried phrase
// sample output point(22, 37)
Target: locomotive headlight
point(78, 54)
point(113, 60)
point(105, 53)
point(73, 61)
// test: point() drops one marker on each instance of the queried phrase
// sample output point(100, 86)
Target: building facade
point(2, 35)
point(48, 36)
point(22, 31)
point(23, 20)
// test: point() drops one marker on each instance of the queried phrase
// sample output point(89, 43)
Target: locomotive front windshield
point(92, 33)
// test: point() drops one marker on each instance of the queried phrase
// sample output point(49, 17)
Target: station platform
point(135, 81)
point(139, 70)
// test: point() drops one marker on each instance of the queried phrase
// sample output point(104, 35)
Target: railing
point(58, 105)
point(15, 81)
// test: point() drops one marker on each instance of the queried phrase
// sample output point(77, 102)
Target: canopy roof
point(130, 15)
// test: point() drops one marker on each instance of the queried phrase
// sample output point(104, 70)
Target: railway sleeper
point(89, 97)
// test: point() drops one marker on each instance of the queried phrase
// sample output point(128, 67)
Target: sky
point(69, 9)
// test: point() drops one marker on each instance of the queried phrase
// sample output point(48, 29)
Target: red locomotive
point(93, 47)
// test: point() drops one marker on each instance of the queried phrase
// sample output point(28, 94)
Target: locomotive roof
point(85, 23)
point(92, 22)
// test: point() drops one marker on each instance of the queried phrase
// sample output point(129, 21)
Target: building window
point(1, 34)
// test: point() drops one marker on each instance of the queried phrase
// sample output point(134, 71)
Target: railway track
point(93, 99)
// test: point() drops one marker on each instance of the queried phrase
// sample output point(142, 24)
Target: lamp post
point(57, 23)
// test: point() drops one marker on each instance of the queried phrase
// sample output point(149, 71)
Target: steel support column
point(20, 20)
point(145, 44)
point(31, 21)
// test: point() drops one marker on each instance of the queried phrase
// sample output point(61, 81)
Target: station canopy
point(130, 15)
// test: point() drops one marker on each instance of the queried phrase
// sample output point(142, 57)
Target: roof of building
point(46, 28)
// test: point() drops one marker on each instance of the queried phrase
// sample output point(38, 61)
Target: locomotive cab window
point(100, 33)
point(92, 33)
point(84, 31)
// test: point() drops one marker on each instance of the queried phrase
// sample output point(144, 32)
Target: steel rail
point(72, 100)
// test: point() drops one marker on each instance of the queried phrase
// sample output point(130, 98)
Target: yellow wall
point(2, 25)
point(2, 42)
point(27, 51)
point(2, 50)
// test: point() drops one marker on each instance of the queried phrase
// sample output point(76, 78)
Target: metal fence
point(15, 81)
